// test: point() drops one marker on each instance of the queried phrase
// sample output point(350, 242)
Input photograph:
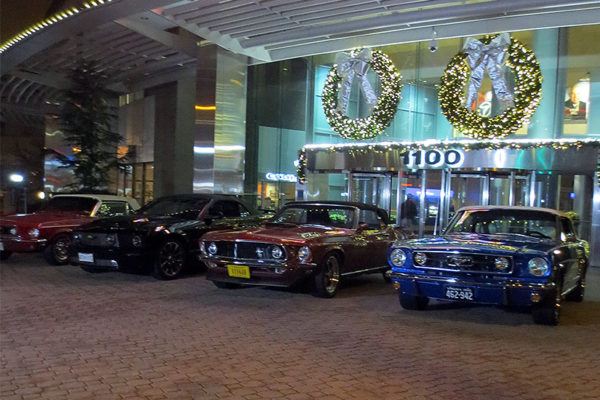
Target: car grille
point(98, 239)
point(247, 251)
point(465, 262)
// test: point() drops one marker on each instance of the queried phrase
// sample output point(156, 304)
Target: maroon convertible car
point(322, 241)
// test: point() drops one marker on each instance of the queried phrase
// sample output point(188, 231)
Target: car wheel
point(5, 254)
point(57, 251)
point(226, 285)
point(410, 302)
point(577, 293)
point(327, 278)
point(548, 313)
point(170, 260)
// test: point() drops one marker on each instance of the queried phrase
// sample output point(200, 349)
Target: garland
point(383, 112)
point(467, 145)
point(527, 94)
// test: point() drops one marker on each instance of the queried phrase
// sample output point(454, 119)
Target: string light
point(527, 93)
point(51, 20)
point(383, 112)
point(466, 145)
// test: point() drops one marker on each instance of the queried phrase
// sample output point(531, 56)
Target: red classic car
point(320, 240)
point(50, 228)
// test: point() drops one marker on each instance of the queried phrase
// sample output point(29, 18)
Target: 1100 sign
point(433, 158)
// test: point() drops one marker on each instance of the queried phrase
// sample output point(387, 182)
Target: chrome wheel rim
point(61, 252)
point(171, 259)
point(332, 274)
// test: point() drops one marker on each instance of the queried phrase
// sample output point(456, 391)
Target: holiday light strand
point(467, 145)
point(51, 20)
point(527, 94)
point(383, 112)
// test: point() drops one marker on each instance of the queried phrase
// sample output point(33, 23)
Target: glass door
point(375, 189)
point(468, 190)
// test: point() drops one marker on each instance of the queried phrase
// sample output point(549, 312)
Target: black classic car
point(319, 240)
point(512, 256)
point(161, 236)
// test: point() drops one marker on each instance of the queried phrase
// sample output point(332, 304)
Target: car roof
point(207, 196)
point(102, 197)
point(520, 208)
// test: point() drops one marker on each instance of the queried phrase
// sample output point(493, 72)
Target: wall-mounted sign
point(281, 177)
point(434, 158)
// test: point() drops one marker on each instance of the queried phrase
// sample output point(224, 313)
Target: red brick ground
point(68, 334)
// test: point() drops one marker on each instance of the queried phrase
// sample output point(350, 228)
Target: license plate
point(238, 271)
point(457, 293)
point(86, 257)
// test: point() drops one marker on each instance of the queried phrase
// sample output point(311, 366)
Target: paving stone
point(67, 334)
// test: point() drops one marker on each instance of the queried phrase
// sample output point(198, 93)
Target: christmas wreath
point(355, 65)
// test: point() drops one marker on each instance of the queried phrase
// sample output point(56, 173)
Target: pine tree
point(86, 119)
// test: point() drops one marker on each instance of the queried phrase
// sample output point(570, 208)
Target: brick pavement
point(68, 334)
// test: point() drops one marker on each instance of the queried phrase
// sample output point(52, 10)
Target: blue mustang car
point(513, 256)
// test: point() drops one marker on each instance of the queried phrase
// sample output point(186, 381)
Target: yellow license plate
point(238, 271)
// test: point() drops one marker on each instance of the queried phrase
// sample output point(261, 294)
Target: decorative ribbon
point(488, 57)
point(350, 67)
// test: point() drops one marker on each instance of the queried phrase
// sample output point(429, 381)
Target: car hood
point(284, 234)
point(140, 223)
point(45, 219)
point(492, 244)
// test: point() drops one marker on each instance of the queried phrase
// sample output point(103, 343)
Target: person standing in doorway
point(408, 213)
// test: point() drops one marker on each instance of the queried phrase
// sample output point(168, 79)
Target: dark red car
point(49, 229)
point(323, 241)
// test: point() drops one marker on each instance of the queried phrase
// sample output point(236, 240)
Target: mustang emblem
point(460, 261)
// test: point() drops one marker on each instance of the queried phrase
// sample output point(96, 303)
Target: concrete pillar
point(174, 137)
point(549, 45)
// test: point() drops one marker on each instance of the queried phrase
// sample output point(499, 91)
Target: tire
point(57, 251)
point(410, 302)
point(170, 260)
point(548, 313)
point(327, 279)
point(4, 255)
point(226, 285)
point(579, 291)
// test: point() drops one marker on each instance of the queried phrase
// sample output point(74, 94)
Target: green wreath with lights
point(383, 112)
point(527, 94)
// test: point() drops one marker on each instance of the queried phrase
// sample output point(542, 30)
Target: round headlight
point(34, 233)
point(136, 240)
point(276, 252)
point(13, 231)
point(212, 248)
point(419, 258)
point(538, 266)
point(397, 257)
point(502, 264)
point(304, 254)
point(76, 237)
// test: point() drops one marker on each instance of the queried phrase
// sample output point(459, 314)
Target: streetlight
point(18, 178)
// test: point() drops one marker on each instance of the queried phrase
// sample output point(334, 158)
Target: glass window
point(227, 209)
point(71, 204)
point(112, 209)
point(371, 219)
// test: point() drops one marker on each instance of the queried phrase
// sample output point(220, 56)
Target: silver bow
point(488, 57)
point(350, 67)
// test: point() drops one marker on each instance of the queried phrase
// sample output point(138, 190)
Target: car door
point(377, 236)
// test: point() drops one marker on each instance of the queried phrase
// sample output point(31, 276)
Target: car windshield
point(184, 207)
point(316, 214)
point(505, 221)
point(71, 204)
